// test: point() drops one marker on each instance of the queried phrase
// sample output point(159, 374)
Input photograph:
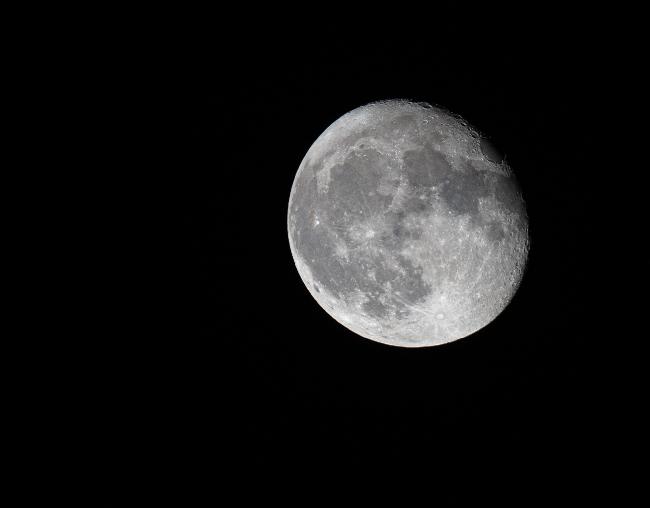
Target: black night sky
point(248, 375)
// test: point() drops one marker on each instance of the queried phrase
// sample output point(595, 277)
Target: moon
point(407, 226)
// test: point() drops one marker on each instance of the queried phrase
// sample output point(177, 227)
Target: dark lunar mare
point(346, 202)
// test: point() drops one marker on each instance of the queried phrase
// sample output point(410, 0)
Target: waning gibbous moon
point(407, 226)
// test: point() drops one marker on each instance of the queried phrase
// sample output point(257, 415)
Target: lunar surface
point(407, 226)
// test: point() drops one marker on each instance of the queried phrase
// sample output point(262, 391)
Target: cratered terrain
point(407, 226)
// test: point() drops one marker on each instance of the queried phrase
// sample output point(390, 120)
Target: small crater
point(494, 232)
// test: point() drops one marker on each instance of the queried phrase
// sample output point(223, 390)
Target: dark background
point(243, 377)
